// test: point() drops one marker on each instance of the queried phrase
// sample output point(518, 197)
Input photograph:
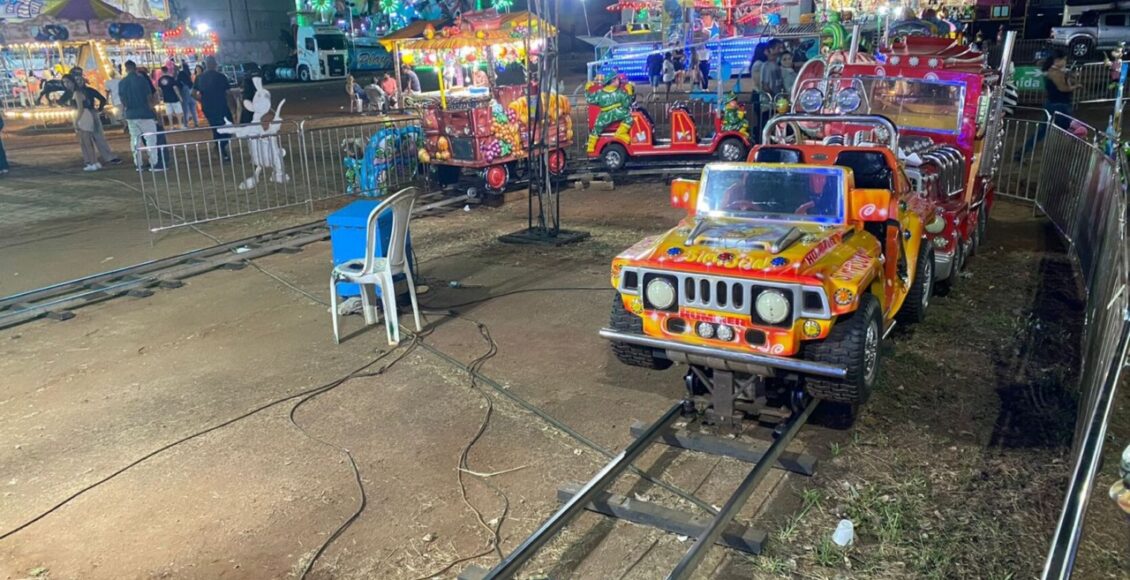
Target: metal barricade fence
point(1083, 195)
point(356, 155)
point(1018, 168)
point(206, 179)
point(254, 168)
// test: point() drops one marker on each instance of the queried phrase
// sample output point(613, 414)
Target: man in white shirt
point(112, 94)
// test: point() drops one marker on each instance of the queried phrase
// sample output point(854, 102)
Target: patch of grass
point(835, 449)
point(828, 554)
point(810, 498)
point(773, 565)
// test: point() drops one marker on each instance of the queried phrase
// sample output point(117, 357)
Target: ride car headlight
point(811, 100)
point(848, 100)
point(661, 293)
point(772, 306)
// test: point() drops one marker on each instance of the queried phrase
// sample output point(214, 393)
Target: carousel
point(36, 52)
point(479, 100)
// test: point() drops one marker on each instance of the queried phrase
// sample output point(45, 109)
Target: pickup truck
point(1102, 31)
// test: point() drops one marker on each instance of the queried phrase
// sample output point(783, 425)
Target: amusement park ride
point(620, 128)
point(790, 269)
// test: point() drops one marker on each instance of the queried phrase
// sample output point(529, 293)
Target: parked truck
point(1093, 31)
point(321, 52)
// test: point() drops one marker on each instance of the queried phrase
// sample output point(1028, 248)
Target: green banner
point(1028, 79)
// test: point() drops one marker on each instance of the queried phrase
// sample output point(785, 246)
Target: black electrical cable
point(362, 500)
point(315, 390)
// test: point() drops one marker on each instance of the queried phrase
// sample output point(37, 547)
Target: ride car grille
point(729, 295)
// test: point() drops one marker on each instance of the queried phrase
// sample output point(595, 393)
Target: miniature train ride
point(790, 269)
point(621, 129)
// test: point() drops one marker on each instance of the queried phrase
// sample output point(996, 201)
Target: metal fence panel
point(281, 165)
point(1083, 194)
point(200, 184)
point(1018, 169)
point(366, 156)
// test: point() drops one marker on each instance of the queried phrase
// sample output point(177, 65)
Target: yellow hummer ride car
point(789, 273)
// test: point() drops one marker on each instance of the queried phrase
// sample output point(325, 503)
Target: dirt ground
point(954, 470)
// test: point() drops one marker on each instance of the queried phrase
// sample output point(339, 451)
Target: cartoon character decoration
point(614, 99)
point(782, 105)
point(733, 115)
point(390, 150)
point(832, 38)
point(263, 143)
point(352, 158)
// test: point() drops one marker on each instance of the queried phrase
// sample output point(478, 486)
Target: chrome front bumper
point(727, 359)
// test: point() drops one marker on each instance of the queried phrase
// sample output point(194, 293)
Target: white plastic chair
point(371, 271)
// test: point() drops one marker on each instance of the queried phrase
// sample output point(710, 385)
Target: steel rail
point(706, 539)
point(29, 305)
point(147, 266)
point(514, 562)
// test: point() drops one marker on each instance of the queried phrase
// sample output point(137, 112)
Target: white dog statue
point(266, 151)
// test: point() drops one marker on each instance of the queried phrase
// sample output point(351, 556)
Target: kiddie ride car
point(782, 280)
point(620, 129)
point(946, 106)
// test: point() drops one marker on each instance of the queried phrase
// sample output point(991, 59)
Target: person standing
point(212, 86)
point(679, 59)
point(3, 154)
point(654, 66)
point(247, 93)
point(1058, 92)
point(703, 55)
point(173, 109)
point(411, 79)
point(137, 107)
point(112, 94)
point(788, 73)
point(188, 103)
point(668, 72)
point(89, 105)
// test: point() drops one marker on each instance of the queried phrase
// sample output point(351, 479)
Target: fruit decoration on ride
point(614, 100)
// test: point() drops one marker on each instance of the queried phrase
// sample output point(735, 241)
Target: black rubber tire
point(630, 354)
point(982, 227)
point(1080, 48)
point(846, 346)
point(917, 301)
point(944, 287)
point(304, 74)
point(729, 143)
point(614, 156)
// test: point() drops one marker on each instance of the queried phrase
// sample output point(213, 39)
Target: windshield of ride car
point(330, 41)
point(928, 105)
point(782, 192)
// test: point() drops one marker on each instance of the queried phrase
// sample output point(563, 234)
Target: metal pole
point(1006, 53)
point(854, 50)
point(1069, 529)
point(585, 11)
point(510, 566)
point(706, 539)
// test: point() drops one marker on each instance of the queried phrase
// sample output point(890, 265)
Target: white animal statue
point(266, 151)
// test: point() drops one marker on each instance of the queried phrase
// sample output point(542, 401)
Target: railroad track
point(58, 301)
point(719, 529)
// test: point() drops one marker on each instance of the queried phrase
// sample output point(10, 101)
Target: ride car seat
point(778, 155)
point(869, 168)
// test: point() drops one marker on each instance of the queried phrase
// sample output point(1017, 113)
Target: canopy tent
point(84, 10)
point(508, 27)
